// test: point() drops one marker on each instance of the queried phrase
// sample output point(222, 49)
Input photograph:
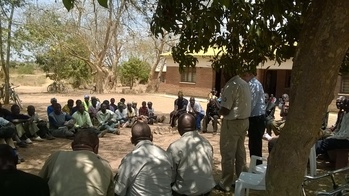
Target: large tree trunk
point(323, 44)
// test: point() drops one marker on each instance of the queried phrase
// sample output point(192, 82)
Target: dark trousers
point(322, 146)
point(255, 134)
point(174, 115)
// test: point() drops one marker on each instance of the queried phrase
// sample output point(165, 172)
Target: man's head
point(8, 157)
point(86, 139)
point(86, 98)
point(112, 101)
point(247, 76)
point(144, 104)
point(70, 103)
point(186, 122)
point(134, 104)
point(94, 101)
point(140, 131)
point(285, 97)
point(150, 104)
point(53, 101)
point(120, 106)
point(78, 102)
point(31, 110)
point(339, 102)
point(81, 108)
point(57, 109)
point(129, 106)
point(15, 109)
point(122, 100)
point(180, 95)
point(192, 101)
point(266, 97)
point(103, 107)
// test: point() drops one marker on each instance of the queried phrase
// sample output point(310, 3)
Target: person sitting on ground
point(25, 126)
point(93, 109)
point(143, 113)
point(340, 138)
point(15, 182)
point(7, 132)
point(131, 116)
point(180, 107)
point(121, 114)
point(123, 101)
point(152, 117)
point(147, 170)
point(134, 106)
point(68, 108)
point(61, 124)
point(50, 107)
point(41, 124)
point(81, 171)
point(212, 113)
point(78, 102)
point(196, 110)
point(107, 120)
point(112, 105)
point(86, 102)
point(188, 171)
point(82, 118)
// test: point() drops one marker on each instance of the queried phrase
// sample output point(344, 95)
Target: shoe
point(219, 188)
point(28, 141)
point(102, 133)
point(116, 132)
point(22, 144)
point(38, 139)
point(267, 137)
point(50, 137)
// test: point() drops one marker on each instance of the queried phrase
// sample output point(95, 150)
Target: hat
point(86, 97)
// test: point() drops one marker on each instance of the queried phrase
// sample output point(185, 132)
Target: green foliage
point(26, 69)
point(134, 69)
point(69, 4)
point(247, 32)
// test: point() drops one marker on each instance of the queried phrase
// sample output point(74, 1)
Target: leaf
point(68, 4)
point(103, 3)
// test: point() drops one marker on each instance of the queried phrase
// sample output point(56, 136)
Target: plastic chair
point(253, 179)
point(312, 161)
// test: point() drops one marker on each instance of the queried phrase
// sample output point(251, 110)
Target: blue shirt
point(257, 105)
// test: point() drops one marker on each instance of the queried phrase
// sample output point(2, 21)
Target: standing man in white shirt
point(236, 109)
point(192, 157)
point(257, 118)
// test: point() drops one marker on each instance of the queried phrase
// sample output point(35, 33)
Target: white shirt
point(147, 170)
point(107, 116)
point(343, 132)
point(192, 157)
point(236, 97)
point(121, 115)
point(196, 108)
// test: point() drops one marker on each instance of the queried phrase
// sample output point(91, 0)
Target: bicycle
point(14, 97)
point(56, 87)
point(338, 189)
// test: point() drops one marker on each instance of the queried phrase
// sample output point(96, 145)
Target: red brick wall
point(205, 78)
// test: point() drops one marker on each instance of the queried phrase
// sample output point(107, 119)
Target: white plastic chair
point(255, 177)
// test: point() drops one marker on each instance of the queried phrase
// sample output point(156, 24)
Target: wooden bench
point(339, 157)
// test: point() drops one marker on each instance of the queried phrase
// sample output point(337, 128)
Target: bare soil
point(112, 147)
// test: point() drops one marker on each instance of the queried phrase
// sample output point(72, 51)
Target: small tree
point(134, 69)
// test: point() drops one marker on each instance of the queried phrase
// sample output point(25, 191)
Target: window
point(188, 74)
point(345, 84)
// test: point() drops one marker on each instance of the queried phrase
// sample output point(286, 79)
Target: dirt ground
point(112, 147)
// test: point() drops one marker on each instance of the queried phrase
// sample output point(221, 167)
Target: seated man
point(143, 113)
point(50, 107)
point(25, 125)
point(68, 108)
point(86, 102)
point(81, 171)
point(134, 106)
point(147, 170)
point(107, 120)
point(78, 102)
point(82, 118)
point(7, 132)
point(60, 123)
point(196, 110)
point(131, 116)
point(93, 109)
point(121, 114)
point(40, 123)
point(212, 113)
point(340, 138)
point(152, 117)
point(15, 182)
point(112, 105)
point(191, 177)
point(180, 107)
